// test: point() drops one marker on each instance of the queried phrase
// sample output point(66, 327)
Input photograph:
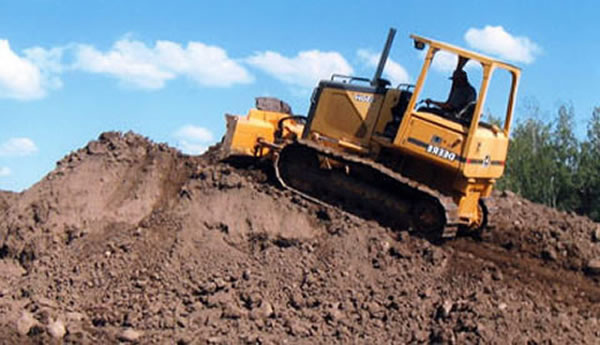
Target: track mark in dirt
point(554, 282)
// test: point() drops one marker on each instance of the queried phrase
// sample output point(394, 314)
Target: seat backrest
point(466, 113)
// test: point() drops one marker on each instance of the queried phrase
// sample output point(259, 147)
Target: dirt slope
point(131, 241)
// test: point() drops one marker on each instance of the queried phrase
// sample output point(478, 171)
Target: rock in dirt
point(593, 266)
point(264, 311)
point(74, 317)
point(549, 253)
point(25, 322)
point(596, 234)
point(232, 311)
point(130, 335)
point(57, 329)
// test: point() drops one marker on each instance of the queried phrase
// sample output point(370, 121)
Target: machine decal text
point(363, 98)
point(440, 152)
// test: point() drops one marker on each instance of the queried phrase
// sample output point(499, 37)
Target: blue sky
point(70, 70)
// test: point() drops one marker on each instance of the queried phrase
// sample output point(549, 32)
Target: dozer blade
point(227, 142)
point(255, 134)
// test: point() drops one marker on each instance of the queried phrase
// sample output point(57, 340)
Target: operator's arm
point(442, 105)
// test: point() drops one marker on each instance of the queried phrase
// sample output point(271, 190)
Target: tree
point(530, 164)
point(588, 173)
point(527, 161)
point(547, 163)
point(565, 152)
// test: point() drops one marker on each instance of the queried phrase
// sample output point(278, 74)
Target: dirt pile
point(565, 239)
point(131, 241)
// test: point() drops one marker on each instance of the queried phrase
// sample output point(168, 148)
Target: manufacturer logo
point(486, 161)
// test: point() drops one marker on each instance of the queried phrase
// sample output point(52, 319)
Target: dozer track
point(366, 188)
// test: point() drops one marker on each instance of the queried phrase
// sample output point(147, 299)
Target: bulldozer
point(373, 149)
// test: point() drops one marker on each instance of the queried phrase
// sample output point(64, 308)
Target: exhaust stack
point(376, 81)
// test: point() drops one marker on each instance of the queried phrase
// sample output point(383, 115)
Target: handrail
point(349, 79)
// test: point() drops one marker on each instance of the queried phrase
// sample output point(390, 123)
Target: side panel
point(443, 142)
point(433, 139)
point(487, 154)
point(348, 114)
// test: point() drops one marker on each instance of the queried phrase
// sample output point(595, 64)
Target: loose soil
point(131, 241)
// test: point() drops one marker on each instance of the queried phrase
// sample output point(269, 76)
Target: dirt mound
point(568, 240)
point(132, 241)
point(6, 198)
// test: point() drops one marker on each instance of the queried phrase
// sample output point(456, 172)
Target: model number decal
point(363, 98)
point(440, 152)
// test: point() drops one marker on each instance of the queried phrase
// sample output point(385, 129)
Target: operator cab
point(475, 82)
point(443, 118)
point(451, 90)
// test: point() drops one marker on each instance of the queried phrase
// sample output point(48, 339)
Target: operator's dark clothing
point(460, 96)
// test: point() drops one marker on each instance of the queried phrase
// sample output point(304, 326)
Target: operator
point(461, 94)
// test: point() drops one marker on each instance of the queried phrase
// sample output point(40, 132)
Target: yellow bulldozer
point(377, 151)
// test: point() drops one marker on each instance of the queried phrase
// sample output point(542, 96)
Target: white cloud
point(130, 62)
point(194, 133)
point(206, 65)
point(4, 171)
point(303, 70)
point(193, 139)
point(18, 147)
point(393, 70)
point(49, 62)
point(19, 78)
point(446, 62)
point(191, 148)
point(135, 64)
point(495, 40)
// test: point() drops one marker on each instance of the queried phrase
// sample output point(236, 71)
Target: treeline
point(549, 164)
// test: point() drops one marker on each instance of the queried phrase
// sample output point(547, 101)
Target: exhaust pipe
point(377, 81)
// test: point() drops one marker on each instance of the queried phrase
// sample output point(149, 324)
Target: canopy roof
point(466, 53)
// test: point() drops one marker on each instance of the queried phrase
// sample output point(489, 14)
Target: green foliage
point(548, 164)
point(565, 152)
point(588, 177)
point(494, 120)
point(529, 161)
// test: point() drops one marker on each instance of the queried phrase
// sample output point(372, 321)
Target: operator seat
point(465, 115)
